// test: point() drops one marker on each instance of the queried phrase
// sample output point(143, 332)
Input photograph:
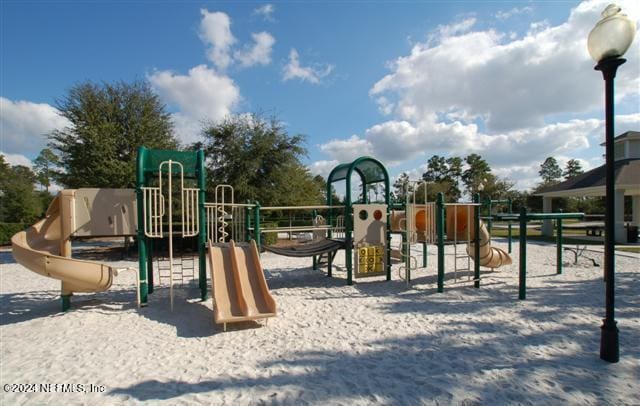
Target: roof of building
point(627, 175)
point(632, 135)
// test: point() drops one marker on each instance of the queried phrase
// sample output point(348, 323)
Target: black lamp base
point(609, 343)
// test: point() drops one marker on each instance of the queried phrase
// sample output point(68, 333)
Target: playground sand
point(373, 342)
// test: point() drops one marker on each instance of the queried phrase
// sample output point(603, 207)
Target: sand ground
point(373, 342)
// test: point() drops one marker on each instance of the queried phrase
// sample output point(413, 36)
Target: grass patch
point(629, 249)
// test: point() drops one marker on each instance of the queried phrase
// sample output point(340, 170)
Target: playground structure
point(45, 247)
point(430, 222)
point(156, 203)
point(171, 185)
point(365, 225)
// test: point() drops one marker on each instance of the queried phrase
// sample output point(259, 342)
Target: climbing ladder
point(155, 206)
point(184, 270)
point(464, 257)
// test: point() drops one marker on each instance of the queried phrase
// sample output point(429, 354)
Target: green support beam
point(510, 203)
point(559, 246)
point(522, 286)
point(256, 225)
point(440, 232)
point(202, 232)
point(142, 239)
point(476, 238)
point(424, 254)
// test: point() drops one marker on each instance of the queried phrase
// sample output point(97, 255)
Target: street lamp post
point(608, 41)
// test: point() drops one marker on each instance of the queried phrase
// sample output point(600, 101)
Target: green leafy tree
point(260, 160)
point(550, 171)
point(108, 124)
point(572, 169)
point(498, 188)
point(447, 172)
point(432, 190)
point(436, 169)
point(478, 174)
point(20, 202)
point(45, 167)
point(454, 174)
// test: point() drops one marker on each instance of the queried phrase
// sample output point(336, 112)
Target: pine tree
point(45, 167)
point(572, 169)
point(550, 171)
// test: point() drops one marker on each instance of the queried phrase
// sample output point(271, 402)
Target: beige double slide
point(240, 291)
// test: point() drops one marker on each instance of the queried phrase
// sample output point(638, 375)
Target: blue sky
point(401, 81)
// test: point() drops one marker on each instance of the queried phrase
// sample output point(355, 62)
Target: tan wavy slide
point(240, 291)
point(490, 257)
point(44, 248)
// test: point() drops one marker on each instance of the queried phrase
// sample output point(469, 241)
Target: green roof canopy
point(149, 160)
point(370, 170)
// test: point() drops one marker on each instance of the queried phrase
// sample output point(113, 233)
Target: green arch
point(370, 171)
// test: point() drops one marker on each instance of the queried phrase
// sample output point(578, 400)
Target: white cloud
point(201, 95)
point(293, 70)
point(347, 150)
point(24, 126)
point(509, 84)
point(323, 168)
point(265, 11)
point(259, 53)
point(513, 100)
point(17, 159)
point(395, 142)
point(456, 28)
point(504, 15)
point(215, 31)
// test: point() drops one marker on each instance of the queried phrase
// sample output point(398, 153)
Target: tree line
point(452, 176)
point(253, 153)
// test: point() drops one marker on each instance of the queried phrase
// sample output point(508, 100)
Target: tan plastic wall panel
point(104, 212)
point(398, 221)
point(460, 222)
point(369, 230)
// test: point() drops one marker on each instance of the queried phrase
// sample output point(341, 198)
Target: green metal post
point(330, 223)
point(314, 214)
point(247, 223)
point(424, 254)
point(522, 288)
point(348, 251)
point(476, 237)
point(405, 257)
point(440, 231)
point(256, 224)
point(559, 246)
point(202, 234)
point(348, 230)
point(66, 302)
point(150, 250)
point(489, 222)
point(510, 203)
point(142, 239)
point(388, 236)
